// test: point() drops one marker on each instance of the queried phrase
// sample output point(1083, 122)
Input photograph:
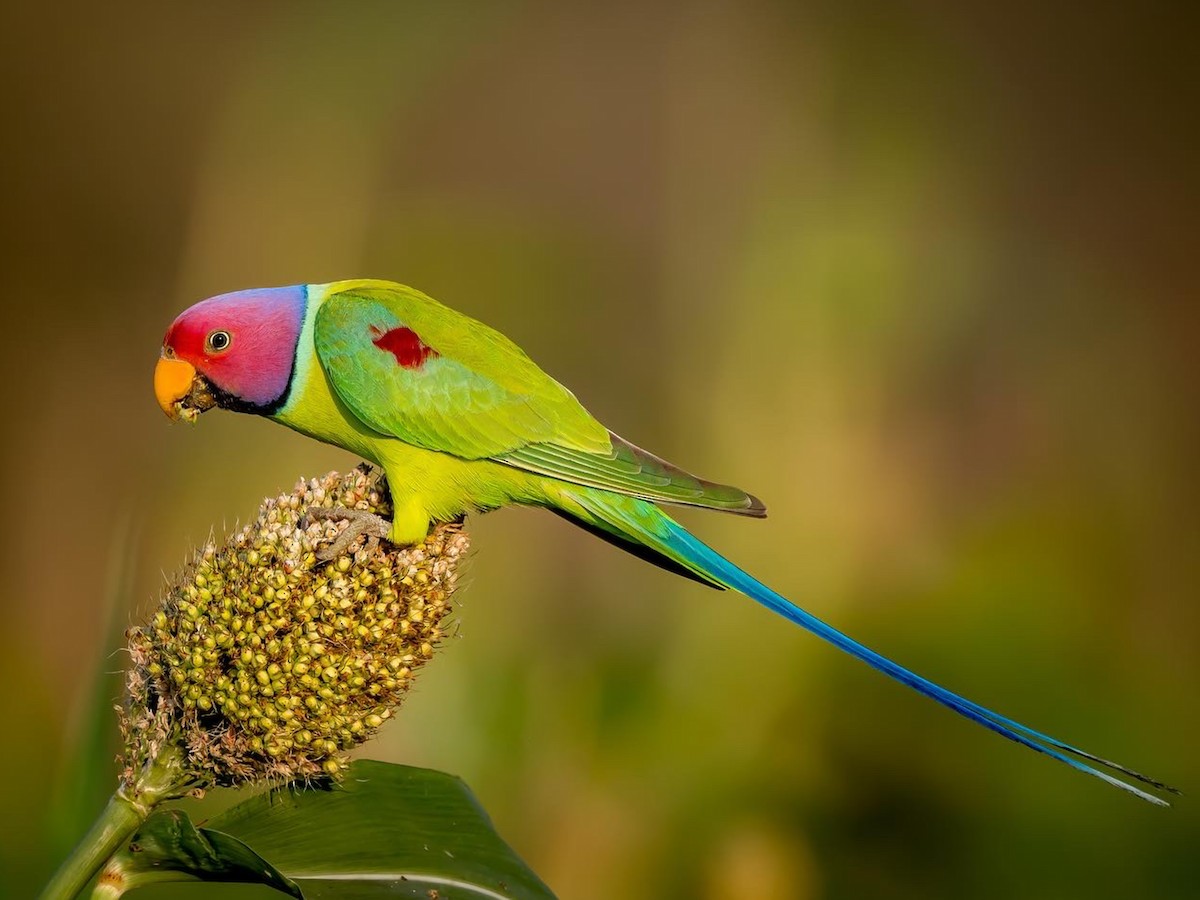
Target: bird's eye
point(218, 341)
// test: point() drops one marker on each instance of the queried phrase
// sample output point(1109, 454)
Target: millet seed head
point(267, 664)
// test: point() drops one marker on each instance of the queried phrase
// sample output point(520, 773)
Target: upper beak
point(172, 382)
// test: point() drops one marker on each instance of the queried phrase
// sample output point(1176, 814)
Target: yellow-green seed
point(270, 663)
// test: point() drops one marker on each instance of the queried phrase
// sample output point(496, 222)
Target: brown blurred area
point(920, 274)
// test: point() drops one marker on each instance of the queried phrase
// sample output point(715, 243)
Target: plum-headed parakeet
point(460, 420)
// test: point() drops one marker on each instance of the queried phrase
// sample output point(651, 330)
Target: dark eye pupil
point(219, 340)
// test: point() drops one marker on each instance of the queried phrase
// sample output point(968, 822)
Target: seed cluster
point(270, 663)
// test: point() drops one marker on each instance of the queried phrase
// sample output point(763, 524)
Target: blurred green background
point(921, 274)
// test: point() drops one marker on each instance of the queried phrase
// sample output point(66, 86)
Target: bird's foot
point(361, 524)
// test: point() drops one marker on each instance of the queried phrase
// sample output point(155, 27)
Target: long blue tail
point(643, 525)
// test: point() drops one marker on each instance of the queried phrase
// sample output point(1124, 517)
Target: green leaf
point(386, 831)
point(168, 847)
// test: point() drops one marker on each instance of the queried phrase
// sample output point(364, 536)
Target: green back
point(478, 396)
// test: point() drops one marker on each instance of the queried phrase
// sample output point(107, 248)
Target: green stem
point(118, 822)
point(161, 779)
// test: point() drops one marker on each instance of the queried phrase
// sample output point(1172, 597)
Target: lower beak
point(172, 383)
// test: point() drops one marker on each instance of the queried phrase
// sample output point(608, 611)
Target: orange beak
point(172, 381)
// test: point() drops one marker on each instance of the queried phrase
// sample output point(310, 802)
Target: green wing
point(478, 396)
point(627, 469)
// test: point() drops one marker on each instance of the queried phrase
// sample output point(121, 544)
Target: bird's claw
point(360, 524)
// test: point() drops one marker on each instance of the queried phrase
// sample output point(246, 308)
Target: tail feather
point(639, 522)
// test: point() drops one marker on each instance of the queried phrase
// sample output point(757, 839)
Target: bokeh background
point(920, 274)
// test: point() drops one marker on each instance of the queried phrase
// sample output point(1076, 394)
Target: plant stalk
point(113, 828)
point(161, 779)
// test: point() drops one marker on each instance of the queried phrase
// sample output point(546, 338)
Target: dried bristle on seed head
point(269, 665)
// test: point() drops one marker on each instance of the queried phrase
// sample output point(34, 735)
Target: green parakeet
point(462, 420)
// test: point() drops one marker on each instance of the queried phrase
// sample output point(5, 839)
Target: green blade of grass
point(89, 771)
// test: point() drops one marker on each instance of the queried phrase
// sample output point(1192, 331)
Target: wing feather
point(628, 469)
point(478, 396)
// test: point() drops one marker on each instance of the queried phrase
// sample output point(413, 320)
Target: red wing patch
point(404, 344)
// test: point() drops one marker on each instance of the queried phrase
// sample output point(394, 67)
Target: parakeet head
point(236, 351)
